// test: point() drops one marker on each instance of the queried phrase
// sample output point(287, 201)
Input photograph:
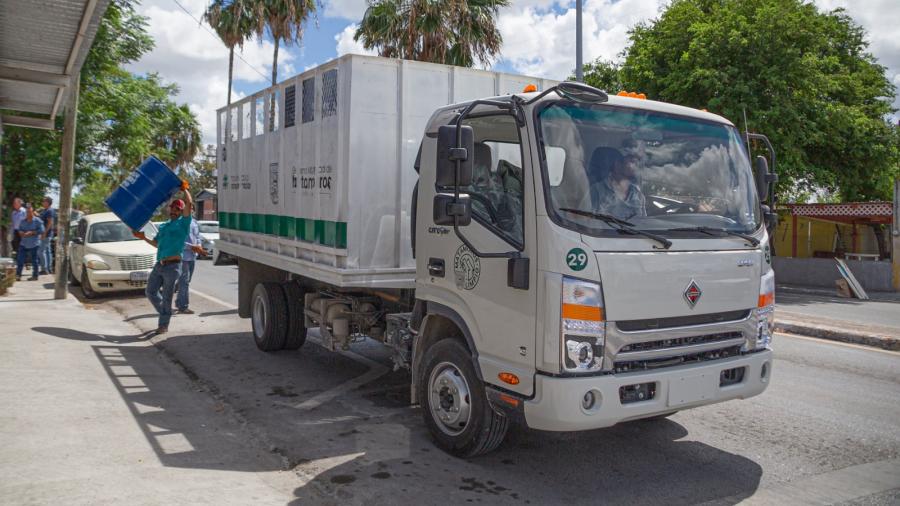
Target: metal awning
point(43, 43)
point(849, 212)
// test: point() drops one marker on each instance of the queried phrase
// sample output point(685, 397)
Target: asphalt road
point(826, 431)
point(884, 312)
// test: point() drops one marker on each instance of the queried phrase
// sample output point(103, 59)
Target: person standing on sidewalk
point(188, 258)
point(169, 242)
point(48, 216)
point(18, 214)
point(30, 230)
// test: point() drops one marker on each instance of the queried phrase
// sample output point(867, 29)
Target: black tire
point(484, 429)
point(71, 275)
point(296, 326)
point(86, 287)
point(268, 316)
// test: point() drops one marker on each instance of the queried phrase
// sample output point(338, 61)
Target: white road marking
point(837, 343)
point(375, 371)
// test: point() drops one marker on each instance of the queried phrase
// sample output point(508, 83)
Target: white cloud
point(197, 61)
point(347, 9)
point(346, 44)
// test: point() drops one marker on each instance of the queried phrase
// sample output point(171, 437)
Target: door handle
point(436, 267)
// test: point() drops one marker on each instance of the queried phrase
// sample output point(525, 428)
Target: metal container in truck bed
point(316, 174)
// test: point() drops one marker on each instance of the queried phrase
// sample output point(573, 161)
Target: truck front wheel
point(454, 404)
point(268, 316)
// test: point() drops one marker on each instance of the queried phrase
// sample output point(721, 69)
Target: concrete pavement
point(92, 415)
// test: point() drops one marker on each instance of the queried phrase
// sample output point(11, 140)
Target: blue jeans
point(161, 288)
point(45, 255)
point(20, 260)
point(184, 282)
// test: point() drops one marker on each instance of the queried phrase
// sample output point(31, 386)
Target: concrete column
point(66, 175)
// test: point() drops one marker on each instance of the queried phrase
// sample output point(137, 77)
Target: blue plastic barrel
point(136, 200)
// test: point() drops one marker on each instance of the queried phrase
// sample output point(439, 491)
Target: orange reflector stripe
point(766, 299)
point(512, 401)
point(579, 312)
point(508, 377)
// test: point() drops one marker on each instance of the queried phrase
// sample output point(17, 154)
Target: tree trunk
point(230, 70)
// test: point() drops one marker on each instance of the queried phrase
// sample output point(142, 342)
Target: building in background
point(207, 205)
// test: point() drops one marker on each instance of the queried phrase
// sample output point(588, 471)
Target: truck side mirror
point(446, 207)
point(762, 178)
point(448, 153)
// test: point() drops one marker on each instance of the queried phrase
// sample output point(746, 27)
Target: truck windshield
point(655, 170)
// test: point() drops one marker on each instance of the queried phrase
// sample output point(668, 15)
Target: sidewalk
point(821, 313)
point(94, 414)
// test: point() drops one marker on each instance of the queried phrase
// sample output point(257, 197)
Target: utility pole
point(66, 176)
point(895, 237)
point(579, 71)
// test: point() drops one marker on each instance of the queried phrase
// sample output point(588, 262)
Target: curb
point(884, 342)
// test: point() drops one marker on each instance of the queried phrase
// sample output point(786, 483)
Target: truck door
point(500, 318)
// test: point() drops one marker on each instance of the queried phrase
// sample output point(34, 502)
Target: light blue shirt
point(171, 236)
point(17, 217)
point(193, 239)
point(36, 226)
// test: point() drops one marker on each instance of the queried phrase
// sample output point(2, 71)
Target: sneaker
point(44, 273)
point(18, 278)
point(33, 278)
point(161, 330)
point(186, 311)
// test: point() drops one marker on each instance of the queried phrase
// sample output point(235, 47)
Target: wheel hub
point(449, 398)
point(259, 317)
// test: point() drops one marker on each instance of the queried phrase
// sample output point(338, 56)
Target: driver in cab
point(613, 185)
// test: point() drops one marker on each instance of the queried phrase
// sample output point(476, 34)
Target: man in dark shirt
point(30, 230)
point(45, 252)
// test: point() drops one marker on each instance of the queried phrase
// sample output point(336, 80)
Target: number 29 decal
point(576, 259)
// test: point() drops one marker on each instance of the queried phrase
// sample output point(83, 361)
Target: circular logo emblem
point(576, 259)
point(467, 268)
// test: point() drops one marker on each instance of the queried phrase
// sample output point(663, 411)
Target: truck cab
point(599, 258)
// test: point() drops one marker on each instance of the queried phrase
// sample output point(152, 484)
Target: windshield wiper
point(622, 226)
point(718, 232)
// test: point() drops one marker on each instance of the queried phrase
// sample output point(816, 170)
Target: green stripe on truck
point(325, 232)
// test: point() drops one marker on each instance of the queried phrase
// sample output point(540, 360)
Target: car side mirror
point(762, 177)
point(77, 240)
point(447, 207)
point(448, 153)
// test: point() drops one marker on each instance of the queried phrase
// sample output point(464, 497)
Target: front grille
point(681, 321)
point(137, 284)
point(656, 363)
point(136, 262)
point(663, 344)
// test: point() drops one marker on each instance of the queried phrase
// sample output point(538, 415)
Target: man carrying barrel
point(169, 242)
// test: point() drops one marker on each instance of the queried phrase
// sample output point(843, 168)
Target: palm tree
point(234, 24)
point(284, 21)
point(179, 141)
point(454, 32)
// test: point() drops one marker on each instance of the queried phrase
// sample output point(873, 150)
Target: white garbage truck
point(531, 251)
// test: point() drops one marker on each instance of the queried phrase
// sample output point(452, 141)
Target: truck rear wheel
point(454, 403)
point(268, 316)
point(296, 320)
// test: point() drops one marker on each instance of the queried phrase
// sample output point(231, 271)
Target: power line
point(200, 24)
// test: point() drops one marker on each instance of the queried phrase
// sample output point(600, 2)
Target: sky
point(538, 40)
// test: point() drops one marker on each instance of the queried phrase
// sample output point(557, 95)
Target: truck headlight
point(583, 329)
point(765, 310)
point(97, 265)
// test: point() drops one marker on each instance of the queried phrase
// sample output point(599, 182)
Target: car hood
point(124, 248)
point(209, 237)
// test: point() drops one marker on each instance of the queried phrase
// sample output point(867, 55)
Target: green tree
point(283, 20)
point(604, 75)
point(804, 78)
point(454, 32)
point(234, 23)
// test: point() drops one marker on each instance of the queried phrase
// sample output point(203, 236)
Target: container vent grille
point(329, 93)
point(290, 105)
point(308, 112)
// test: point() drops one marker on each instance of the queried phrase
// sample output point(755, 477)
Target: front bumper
point(114, 281)
point(557, 404)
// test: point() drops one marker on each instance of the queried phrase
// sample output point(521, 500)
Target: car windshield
point(116, 231)
point(209, 228)
point(657, 171)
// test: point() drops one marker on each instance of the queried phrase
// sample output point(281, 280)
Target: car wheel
point(296, 328)
point(455, 405)
point(71, 275)
point(268, 316)
point(86, 287)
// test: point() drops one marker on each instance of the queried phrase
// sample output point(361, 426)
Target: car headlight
point(765, 310)
point(97, 265)
point(582, 329)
